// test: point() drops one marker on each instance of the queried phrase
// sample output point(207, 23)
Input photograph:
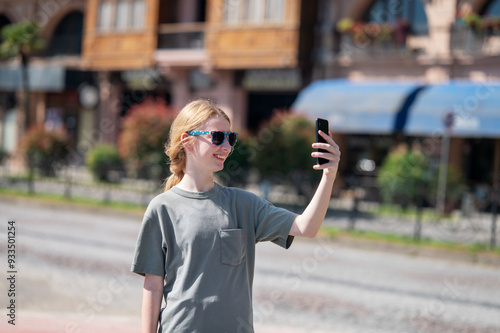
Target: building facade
point(256, 56)
point(447, 53)
point(56, 74)
point(243, 54)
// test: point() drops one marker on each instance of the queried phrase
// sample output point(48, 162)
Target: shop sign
point(272, 79)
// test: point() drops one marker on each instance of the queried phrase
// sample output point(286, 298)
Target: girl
point(196, 246)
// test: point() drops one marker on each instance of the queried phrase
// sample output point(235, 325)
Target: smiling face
point(205, 156)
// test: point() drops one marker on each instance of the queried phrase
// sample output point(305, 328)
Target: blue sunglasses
point(218, 137)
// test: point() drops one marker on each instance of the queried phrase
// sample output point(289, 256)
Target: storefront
point(372, 116)
point(268, 90)
point(473, 113)
point(54, 102)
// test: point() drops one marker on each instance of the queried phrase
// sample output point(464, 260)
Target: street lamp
point(448, 121)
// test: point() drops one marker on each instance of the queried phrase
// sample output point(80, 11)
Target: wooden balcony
point(181, 45)
point(181, 36)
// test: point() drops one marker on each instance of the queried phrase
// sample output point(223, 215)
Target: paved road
point(73, 276)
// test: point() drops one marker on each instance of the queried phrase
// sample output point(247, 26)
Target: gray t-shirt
point(204, 246)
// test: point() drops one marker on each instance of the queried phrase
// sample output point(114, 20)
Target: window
point(3, 22)
point(231, 11)
point(492, 8)
point(390, 11)
point(104, 15)
point(274, 10)
point(253, 11)
point(138, 14)
point(120, 15)
point(67, 36)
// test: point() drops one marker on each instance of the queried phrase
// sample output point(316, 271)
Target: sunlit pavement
point(42, 322)
point(73, 276)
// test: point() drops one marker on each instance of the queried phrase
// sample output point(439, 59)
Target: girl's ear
point(185, 141)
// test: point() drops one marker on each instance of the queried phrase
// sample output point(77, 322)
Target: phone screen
point(321, 125)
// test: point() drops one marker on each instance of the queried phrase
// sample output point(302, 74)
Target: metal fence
point(355, 211)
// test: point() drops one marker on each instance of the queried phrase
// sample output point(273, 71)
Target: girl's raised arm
point(308, 223)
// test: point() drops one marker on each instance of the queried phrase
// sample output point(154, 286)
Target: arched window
point(393, 12)
point(67, 37)
point(3, 22)
point(492, 8)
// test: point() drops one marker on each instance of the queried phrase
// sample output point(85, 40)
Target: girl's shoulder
point(161, 201)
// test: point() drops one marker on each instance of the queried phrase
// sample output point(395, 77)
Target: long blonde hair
point(192, 116)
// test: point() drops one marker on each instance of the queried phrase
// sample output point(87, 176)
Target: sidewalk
point(44, 322)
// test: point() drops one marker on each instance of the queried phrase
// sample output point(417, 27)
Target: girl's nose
point(226, 144)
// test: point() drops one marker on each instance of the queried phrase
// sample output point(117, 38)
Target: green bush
point(237, 164)
point(404, 171)
point(102, 160)
point(282, 150)
point(44, 149)
point(142, 139)
point(455, 187)
point(401, 174)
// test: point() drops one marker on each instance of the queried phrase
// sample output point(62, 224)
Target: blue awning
point(378, 107)
point(475, 107)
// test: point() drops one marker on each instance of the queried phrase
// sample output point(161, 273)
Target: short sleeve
point(273, 224)
point(149, 257)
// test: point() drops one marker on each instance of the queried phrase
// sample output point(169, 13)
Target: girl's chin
point(219, 167)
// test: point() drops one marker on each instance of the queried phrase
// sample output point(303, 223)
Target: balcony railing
point(466, 41)
point(181, 36)
point(370, 48)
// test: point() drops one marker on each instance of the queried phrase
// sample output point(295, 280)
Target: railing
point(181, 36)
point(467, 41)
point(370, 48)
point(349, 211)
point(76, 183)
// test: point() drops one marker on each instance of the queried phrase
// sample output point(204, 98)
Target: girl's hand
point(332, 154)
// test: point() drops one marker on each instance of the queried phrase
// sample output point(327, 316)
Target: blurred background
point(411, 89)
point(88, 90)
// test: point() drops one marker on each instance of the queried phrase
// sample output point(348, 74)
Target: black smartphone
point(321, 125)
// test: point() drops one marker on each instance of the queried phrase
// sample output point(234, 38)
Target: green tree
point(22, 40)
point(144, 134)
point(404, 172)
point(401, 174)
point(102, 160)
point(283, 151)
point(44, 149)
point(238, 164)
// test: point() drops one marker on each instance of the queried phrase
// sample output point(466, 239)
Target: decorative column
point(440, 16)
point(107, 120)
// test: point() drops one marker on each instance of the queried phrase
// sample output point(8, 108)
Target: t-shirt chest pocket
point(232, 247)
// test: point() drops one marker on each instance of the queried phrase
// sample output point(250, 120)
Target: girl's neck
point(194, 182)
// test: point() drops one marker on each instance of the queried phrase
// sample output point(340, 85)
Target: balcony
point(362, 49)
point(468, 42)
point(181, 36)
point(181, 45)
